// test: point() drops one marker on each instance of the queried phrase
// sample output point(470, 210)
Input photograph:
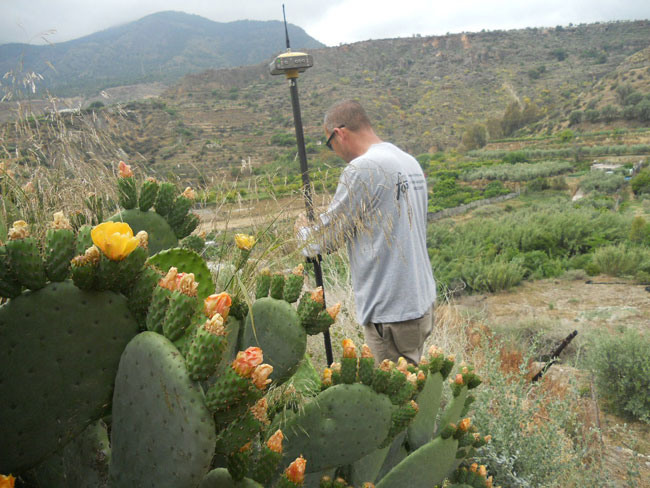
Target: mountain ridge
point(160, 47)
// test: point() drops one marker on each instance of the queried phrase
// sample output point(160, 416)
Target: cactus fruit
point(127, 191)
point(191, 223)
point(310, 305)
point(206, 349)
point(148, 193)
point(59, 248)
point(294, 283)
point(263, 283)
point(24, 257)
point(140, 294)
point(273, 326)
point(243, 429)
point(162, 432)
point(79, 337)
point(10, 287)
point(220, 478)
point(276, 289)
point(180, 208)
point(165, 199)
point(349, 362)
point(294, 475)
point(234, 391)
point(269, 459)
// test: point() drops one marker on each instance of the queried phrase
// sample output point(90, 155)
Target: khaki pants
point(392, 340)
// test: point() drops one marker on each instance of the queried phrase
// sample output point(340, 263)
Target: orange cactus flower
point(169, 280)
point(259, 411)
point(335, 367)
point(386, 365)
point(298, 270)
point(124, 170)
point(402, 365)
point(217, 303)
point(459, 379)
point(246, 361)
point(474, 467)
point(366, 352)
point(7, 481)
point(349, 349)
point(115, 239)
point(464, 424)
point(334, 310)
point(421, 376)
point(412, 378)
point(275, 441)
point(327, 376)
point(244, 242)
point(296, 471)
point(318, 295)
point(482, 471)
point(261, 375)
point(189, 193)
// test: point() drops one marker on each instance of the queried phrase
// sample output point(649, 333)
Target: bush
point(575, 117)
point(537, 437)
point(619, 260)
point(641, 182)
point(622, 367)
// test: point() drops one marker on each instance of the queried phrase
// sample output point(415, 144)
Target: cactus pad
point(163, 435)
point(273, 326)
point(161, 235)
point(342, 424)
point(65, 344)
point(186, 261)
point(220, 478)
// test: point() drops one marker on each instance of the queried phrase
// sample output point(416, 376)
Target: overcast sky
point(330, 21)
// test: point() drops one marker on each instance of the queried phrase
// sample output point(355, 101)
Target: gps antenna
point(286, 31)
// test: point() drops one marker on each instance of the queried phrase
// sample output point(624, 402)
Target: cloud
point(331, 22)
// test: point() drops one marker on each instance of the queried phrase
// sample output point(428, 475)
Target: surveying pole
point(291, 64)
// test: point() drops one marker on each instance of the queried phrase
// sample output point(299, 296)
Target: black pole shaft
point(309, 204)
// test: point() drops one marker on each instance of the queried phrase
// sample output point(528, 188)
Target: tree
point(475, 136)
point(575, 117)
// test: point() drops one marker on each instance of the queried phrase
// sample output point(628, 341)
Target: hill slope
point(160, 47)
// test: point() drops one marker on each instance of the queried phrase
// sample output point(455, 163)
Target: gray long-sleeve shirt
point(380, 211)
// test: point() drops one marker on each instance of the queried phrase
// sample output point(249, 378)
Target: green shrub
point(620, 260)
point(602, 182)
point(622, 367)
point(640, 183)
point(537, 439)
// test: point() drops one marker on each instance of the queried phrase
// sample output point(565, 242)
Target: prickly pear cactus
point(187, 261)
point(220, 478)
point(273, 325)
point(163, 434)
point(171, 219)
point(340, 425)
point(65, 343)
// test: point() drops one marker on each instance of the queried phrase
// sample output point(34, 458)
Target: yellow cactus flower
point(19, 230)
point(7, 481)
point(244, 241)
point(214, 325)
point(275, 441)
point(124, 170)
point(298, 270)
point(296, 471)
point(115, 239)
point(60, 222)
point(143, 239)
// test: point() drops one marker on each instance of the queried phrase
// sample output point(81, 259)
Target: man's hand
point(301, 222)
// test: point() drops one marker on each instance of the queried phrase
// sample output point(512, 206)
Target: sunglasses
point(329, 139)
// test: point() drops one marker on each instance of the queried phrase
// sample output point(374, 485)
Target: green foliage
point(622, 366)
point(640, 183)
point(621, 259)
point(602, 182)
point(536, 437)
point(519, 171)
point(498, 252)
point(475, 136)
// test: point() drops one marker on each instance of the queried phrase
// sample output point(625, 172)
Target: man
point(379, 211)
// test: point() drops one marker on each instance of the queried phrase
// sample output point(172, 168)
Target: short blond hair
point(349, 113)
